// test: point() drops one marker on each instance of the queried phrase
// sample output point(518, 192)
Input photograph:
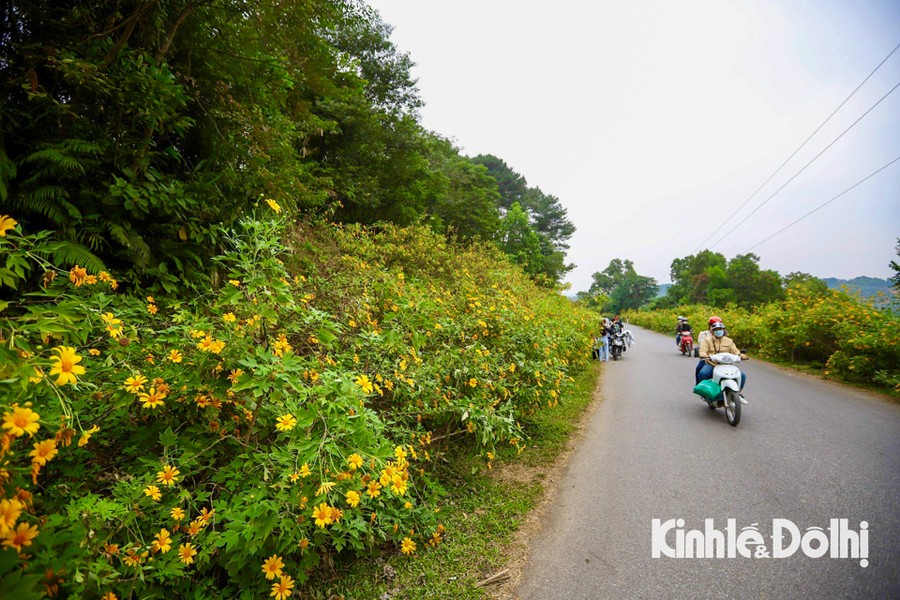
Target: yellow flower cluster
point(19, 421)
point(407, 546)
point(113, 325)
point(281, 346)
point(324, 515)
point(79, 277)
point(274, 206)
point(273, 567)
point(210, 344)
point(285, 422)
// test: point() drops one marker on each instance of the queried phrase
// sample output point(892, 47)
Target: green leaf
point(168, 438)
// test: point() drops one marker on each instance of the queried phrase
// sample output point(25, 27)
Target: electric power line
point(823, 205)
point(775, 172)
point(784, 185)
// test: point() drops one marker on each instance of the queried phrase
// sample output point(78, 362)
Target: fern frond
point(95, 241)
point(119, 234)
point(141, 249)
point(48, 192)
point(131, 240)
point(84, 147)
point(55, 157)
point(69, 254)
point(42, 204)
point(62, 158)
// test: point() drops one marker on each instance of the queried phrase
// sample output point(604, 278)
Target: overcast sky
point(653, 121)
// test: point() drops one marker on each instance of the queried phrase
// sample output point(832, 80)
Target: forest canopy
point(132, 130)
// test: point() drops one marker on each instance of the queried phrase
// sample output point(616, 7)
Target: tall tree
point(520, 241)
point(545, 213)
point(512, 186)
point(621, 284)
point(633, 292)
point(549, 217)
point(751, 284)
point(463, 198)
point(607, 280)
point(709, 277)
point(691, 275)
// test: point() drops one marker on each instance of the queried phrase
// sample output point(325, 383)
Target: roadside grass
point(482, 511)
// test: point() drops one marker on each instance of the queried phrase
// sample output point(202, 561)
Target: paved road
point(806, 450)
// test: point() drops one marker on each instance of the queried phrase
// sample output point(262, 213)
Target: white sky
point(653, 120)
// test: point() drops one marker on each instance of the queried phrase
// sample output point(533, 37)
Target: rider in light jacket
point(714, 344)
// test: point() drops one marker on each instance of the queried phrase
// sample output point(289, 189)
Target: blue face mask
point(719, 333)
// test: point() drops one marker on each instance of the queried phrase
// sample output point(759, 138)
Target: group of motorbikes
point(722, 390)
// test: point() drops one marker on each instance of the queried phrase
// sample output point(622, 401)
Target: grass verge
point(483, 510)
point(818, 371)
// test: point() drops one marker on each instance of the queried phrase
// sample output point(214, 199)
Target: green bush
point(851, 338)
point(226, 445)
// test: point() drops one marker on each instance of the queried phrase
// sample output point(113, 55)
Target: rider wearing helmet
point(682, 326)
point(713, 344)
point(718, 341)
point(706, 333)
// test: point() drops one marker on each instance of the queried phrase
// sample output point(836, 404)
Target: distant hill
point(662, 289)
point(867, 286)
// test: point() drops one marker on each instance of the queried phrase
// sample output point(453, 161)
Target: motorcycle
point(687, 342)
point(727, 377)
point(616, 345)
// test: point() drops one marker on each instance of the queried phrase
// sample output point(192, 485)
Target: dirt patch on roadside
point(549, 475)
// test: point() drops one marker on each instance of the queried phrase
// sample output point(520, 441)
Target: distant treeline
point(709, 278)
point(865, 286)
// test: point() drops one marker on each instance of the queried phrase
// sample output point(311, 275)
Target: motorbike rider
point(706, 332)
point(682, 326)
point(714, 344)
point(615, 326)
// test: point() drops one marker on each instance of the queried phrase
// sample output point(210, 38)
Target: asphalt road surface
point(806, 451)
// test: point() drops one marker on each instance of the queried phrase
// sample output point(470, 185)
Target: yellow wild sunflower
point(283, 589)
point(272, 566)
point(6, 223)
point(65, 364)
point(20, 421)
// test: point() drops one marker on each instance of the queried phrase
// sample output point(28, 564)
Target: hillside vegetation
point(248, 301)
point(219, 445)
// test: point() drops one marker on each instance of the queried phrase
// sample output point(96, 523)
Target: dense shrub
point(228, 444)
point(848, 337)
